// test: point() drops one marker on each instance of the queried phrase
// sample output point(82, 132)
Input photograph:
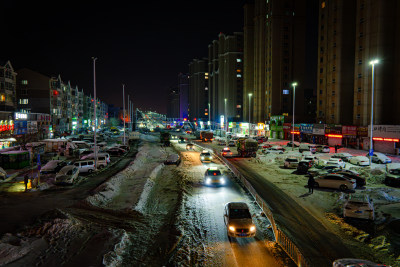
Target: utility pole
point(95, 115)
point(123, 112)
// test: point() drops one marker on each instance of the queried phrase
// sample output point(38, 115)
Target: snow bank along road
point(315, 241)
point(204, 241)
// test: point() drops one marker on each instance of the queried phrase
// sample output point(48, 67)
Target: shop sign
point(306, 128)
point(287, 126)
point(385, 131)
point(349, 131)
point(333, 129)
point(318, 129)
point(21, 127)
point(362, 131)
point(253, 126)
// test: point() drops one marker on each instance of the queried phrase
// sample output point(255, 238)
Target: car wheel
point(343, 187)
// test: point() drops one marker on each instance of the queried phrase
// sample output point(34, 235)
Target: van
point(91, 156)
point(85, 166)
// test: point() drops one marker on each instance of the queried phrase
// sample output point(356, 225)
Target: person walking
point(26, 180)
point(311, 182)
point(336, 147)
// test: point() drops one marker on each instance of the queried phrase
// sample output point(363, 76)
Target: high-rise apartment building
point(7, 87)
point(183, 88)
point(225, 68)
point(351, 34)
point(198, 90)
point(278, 40)
point(173, 103)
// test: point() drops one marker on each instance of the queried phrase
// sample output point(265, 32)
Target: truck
point(247, 147)
point(164, 138)
point(206, 136)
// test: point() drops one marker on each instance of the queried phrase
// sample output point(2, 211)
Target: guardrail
point(280, 237)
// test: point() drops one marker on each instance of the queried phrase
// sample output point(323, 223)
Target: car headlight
point(208, 180)
point(202, 157)
point(231, 228)
point(222, 180)
point(252, 229)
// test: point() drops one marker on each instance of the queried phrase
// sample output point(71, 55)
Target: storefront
point(362, 134)
point(350, 136)
point(318, 134)
point(334, 134)
point(276, 126)
point(287, 128)
point(306, 132)
point(385, 138)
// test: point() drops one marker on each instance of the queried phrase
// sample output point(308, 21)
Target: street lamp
point(209, 115)
point(123, 104)
point(226, 117)
point(95, 107)
point(371, 149)
point(294, 100)
point(250, 94)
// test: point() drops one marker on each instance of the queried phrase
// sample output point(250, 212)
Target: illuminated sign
point(21, 116)
point(385, 139)
point(334, 135)
point(295, 132)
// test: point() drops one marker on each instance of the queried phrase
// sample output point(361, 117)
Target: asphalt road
point(20, 208)
point(211, 232)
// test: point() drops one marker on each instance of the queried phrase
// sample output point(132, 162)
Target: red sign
point(385, 139)
point(334, 135)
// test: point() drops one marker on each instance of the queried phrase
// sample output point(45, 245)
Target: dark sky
point(144, 44)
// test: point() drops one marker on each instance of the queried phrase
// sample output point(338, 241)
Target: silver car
point(359, 206)
point(335, 181)
point(291, 163)
point(238, 220)
point(67, 175)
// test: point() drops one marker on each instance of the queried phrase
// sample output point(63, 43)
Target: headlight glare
point(252, 229)
point(231, 228)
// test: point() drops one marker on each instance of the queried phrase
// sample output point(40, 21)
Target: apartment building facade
point(198, 90)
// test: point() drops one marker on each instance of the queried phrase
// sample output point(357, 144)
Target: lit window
point(238, 70)
point(238, 75)
point(23, 101)
point(285, 92)
point(206, 88)
point(238, 60)
point(238, 106)
point(2, 98)
point(323, 5)
point(25, 82)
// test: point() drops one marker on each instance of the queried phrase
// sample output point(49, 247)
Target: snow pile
point(13, 248)
point(147, 188)
point(110, 189)
point(383, 194)
point(114, 258)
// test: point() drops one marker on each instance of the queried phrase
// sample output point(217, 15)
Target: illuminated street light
point(294, 100)
point(371, 148)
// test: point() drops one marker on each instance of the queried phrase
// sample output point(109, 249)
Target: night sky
point(144, 44)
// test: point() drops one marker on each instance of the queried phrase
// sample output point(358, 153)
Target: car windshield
point(205, 154)
point(213, 172)
point(358, 199)
point(291, 160)
point(239, 214)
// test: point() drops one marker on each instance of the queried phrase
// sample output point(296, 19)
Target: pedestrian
point(26, 180)
point(311, 182)
point(336, 147)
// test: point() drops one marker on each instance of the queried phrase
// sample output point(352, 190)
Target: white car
point(312, 158)
point(344, 156)
point(291, 163)
point(67, 175)
point(274, 150)
point(336, 162)
point(379, 158)
point(359, 161)
point(359, 206)
point(85, 166)
point(335, 181)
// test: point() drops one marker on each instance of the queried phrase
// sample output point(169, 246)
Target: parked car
point(303, 166)
point(274, 150)
point(291, 163)
point(85, 166)
point(393, 175)
point(232, 143)
point(361, 181)
point(304, 147)
point(116, 151)
point(226, 152)
point(312, 158)
point(313, 149)
point(67, 175)
point(99, 157)
point(238, 220)
point(213, 176)
point(356, 263)
point(344, 156)
point(379, 158)
point(335, 181)
point(53, 166)
point(336, 162)
point(323, 149)
point(359, 161)
point(319, 170)
point(359, 206)
point(190, 146)
point(173, 159)
point(296, 144)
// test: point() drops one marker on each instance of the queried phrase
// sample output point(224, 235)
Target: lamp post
point(123, 104)
point(226, 117)
point(371, 148)
point(95, 115)
point(209, 115)
point(294, 100)
point(250, 94)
